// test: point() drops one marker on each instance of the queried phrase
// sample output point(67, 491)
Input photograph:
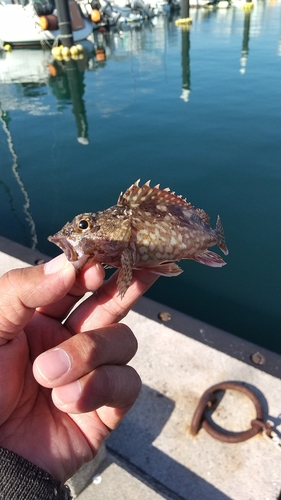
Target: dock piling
point(64, 23)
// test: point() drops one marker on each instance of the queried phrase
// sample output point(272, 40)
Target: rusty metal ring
point(209, 398)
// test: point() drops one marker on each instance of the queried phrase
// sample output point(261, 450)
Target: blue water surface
point(198, 111)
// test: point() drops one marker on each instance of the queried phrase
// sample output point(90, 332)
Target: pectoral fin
point(210, 259)
point(125, 273)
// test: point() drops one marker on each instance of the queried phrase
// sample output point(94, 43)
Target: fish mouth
point(63, 243)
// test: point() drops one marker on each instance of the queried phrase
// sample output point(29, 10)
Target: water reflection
point(20, 191)
point(32, 71)
point(245, 43)
point(66, 78)
point(185, 63)
point(67, 83)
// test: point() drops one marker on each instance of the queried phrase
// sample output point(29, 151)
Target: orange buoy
point(49, 22)
point(95, 16)
point(100, 55)
point(52, 70)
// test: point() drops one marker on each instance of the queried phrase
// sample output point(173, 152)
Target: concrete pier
point(152, 454)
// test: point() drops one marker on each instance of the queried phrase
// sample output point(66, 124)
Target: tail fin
point(221, 239)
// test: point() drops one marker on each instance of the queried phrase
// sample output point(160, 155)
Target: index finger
point(105, 306)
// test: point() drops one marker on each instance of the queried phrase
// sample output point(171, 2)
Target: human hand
point(64, 385)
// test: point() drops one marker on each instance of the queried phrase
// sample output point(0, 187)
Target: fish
point(149, 228)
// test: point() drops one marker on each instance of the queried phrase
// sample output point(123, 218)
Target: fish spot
point(162, 208)
point(158, 255)
point(142, 250)
point(142, 235)
point(145, 257)
point(151, 246)
point(167, 218)
point(168, 249)
point(165, 226)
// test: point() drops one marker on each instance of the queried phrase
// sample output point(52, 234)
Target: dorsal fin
point(205, 217)
point(146, 195)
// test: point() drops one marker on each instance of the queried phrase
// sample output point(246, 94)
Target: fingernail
point(67, 394)
point(55, 265)
point(53, 364)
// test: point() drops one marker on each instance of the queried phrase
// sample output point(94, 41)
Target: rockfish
point(149, 228)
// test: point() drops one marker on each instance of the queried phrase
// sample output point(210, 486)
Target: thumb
point(22, 290)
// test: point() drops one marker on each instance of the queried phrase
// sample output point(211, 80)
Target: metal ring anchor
point(209, 398)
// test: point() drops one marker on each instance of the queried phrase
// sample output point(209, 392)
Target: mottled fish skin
point(148, 228)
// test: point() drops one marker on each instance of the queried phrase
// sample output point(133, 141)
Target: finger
point(112, 416)
point(83, 353)
point(22, 290)
point(89, 279)
point(109, 385)
point(106, 306)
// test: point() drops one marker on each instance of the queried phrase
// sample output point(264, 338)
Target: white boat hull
point(19, 26)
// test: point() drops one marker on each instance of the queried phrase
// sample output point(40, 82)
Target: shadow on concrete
point(132, 445)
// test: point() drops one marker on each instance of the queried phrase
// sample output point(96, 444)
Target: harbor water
point(197, 110)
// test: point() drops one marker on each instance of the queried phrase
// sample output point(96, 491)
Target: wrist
point(20, 478)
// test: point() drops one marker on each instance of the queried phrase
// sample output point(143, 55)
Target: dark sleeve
point(20, 479)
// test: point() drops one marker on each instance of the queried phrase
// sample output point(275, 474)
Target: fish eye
point(84, 224)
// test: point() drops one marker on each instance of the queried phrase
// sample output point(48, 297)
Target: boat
point(146, 9)
point(116, 12)
point(21, 25)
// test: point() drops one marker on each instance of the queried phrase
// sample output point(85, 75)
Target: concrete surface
point(115, 482)
point(13, 255)
point(155, 437)
point(85, 474)
point(152, 454)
